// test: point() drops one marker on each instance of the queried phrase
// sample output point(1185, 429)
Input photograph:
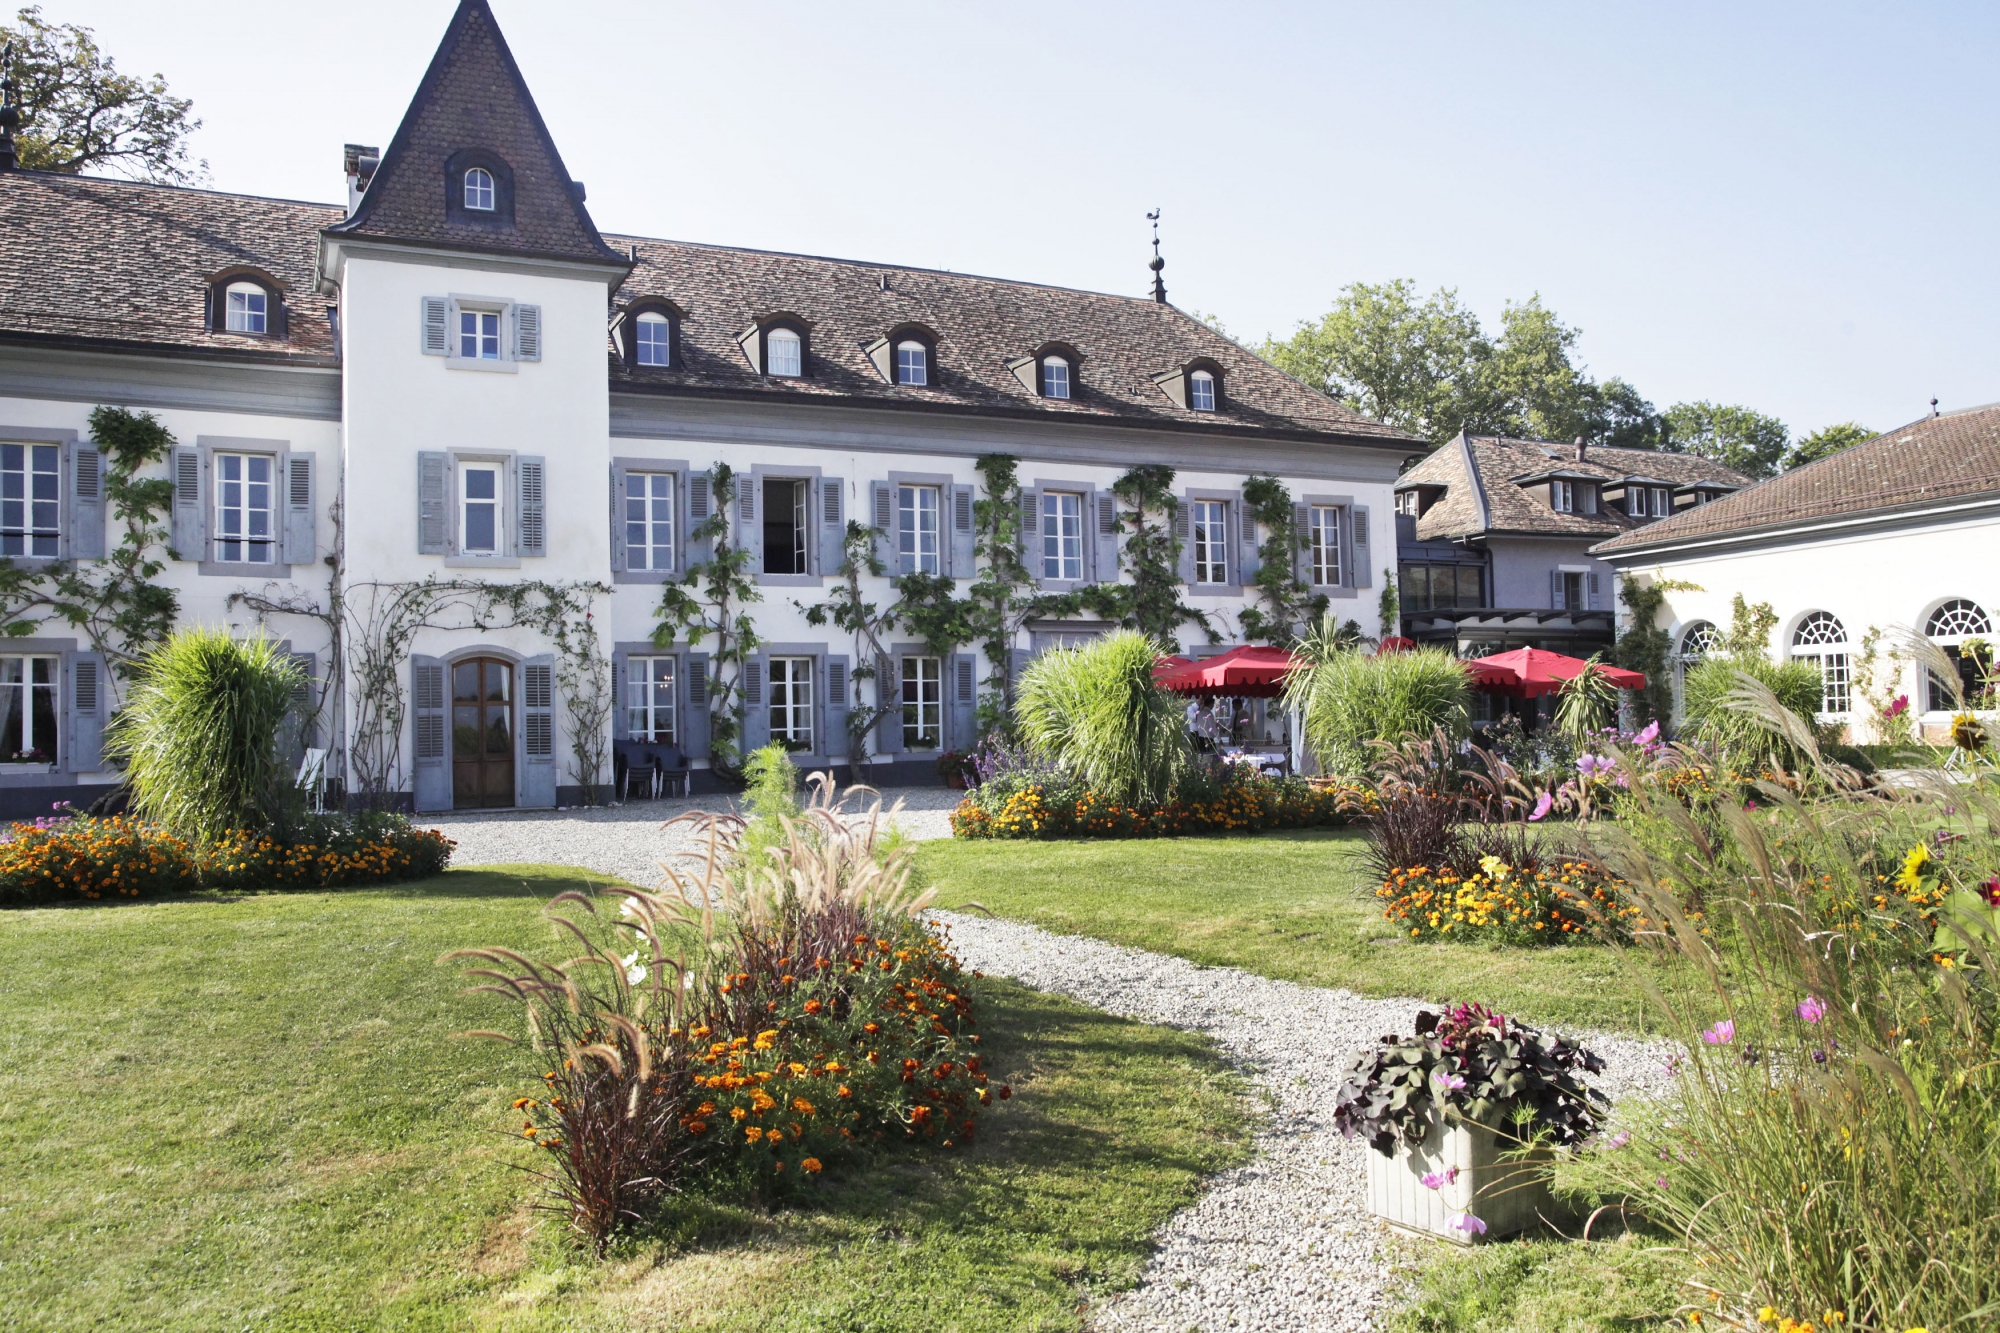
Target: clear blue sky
point(1791, 207)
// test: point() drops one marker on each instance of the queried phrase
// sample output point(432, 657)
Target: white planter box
point(1506, 1195)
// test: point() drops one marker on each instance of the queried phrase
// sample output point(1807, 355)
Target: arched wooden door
point(482, 734)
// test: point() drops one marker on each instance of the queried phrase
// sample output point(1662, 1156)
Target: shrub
point(1558, 903)
point(1095, 712)
point(1234, 802)
point(1738, 739)
point(1350, 700)
point(198, 733)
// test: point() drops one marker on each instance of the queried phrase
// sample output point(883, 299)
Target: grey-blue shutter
point(963, 535)
point(832, 525)
point(1595, 599)
point(1018, 660)
point(1184, 532)
point(694, 707)
point(527, 333)
point(964, 695)
point(188, 526)
point(889, 699)
point(1364, 562)
point(431, 470)
point(749, 526)
point(436, 326)
point(1251, 560)
point(301, 536)
point(1031, 531)
point(85, 752)
point(1105, 525)
point(882, 517)
point(538, 732)
point(618, 556)
point(305, 699)
point(430, 725)
point(756, 712)
point(1302, 555)
point(531, 524)
point(700, 498)
point(1556, 589)
point(86, 502)
point(837, 687)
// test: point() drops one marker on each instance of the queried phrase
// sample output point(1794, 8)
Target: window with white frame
point(1663, 502)
point(1822, 640)
point(785, 502)
point(30, 487)
point(1572, 590)
point(1062, 535)
point(1055, 377)
point(653, 340)
point(1698, 641)
point(1201, 391)
point(782, 353)
point(480, 507)
point(791, 702)
point(28, 709)
point(245, 531)
point(1960, 627)
point(649, 699)
point(1323, 530)
point(923, 703)
point(917, 530)
point(1211, 541)
point(649, 520)
point(246, 308)
point(479, 190)
point(479, 335)
point(912, 363)
point(1409, 502)
point(1562, 497)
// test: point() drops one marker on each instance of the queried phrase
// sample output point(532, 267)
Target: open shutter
point(1302, 556)
point(836, 740)
point(86, 503)
point(1556, 589)
point(305, 698)
point(749, 532)
point(963, 538)
point(1364, 563)
point(436, 339)
point(1018, 660)
point(431, 469)
point(964, 687)
point(1596, 600)
point(618, 558)
point(85, 751)
point(1031, 531)
point(538, 732)
point(1106, 528)
point(188, 526)
point(1246, 532)
point(430, 760)
point(300, 536)
point(531, 525)
point(882, 517)
point(889, 699)
point(832, 524)
point(527, 333)
point(694, 707)
point(756, 714)
point(699, 496)
point(1184, 533)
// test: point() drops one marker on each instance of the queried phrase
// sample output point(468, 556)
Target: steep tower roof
point(473, 109)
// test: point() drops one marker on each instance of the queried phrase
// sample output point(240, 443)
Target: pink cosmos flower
point(1721, 1034)
point(1620, 1139)
point(1432, 1180)
point(1647, 736)
point(1469, 1224)
point(1542, 807)
point(1812, 1009)
point(1450, 1082)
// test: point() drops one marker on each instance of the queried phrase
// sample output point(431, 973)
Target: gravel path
point(1283, 1243)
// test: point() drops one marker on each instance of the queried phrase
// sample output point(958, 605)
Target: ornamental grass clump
point(1095, 712)
point(198, 734)
point(1350, 699)
point(1744, 739)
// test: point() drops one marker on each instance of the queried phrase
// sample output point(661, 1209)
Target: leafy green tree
point(79, 112)
point(1737, 437)
point(1826, 441)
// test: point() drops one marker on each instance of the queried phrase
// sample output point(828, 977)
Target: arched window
point(781, 353)
point(1822, 640)
point(1698, 641)
point(247, 308)
point(652, 340)
point(1201, 391)
point(913, 361)
point(1959, 627)
point(1055, 377)
point(479, 189)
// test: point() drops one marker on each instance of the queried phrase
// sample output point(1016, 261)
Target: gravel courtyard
point(1282, 1243)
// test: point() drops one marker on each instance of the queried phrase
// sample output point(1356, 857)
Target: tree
point(1826, 441)
point(79, 111)
point(1737, 437)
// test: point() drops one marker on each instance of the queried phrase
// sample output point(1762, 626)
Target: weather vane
point(1159, 287)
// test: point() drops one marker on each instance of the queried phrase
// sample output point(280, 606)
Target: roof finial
point(1159, 287)
point(10, 112)
point(1934, 407)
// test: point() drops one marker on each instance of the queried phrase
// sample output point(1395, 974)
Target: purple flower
point(1469, 1224)
point(1812, 1009)
point(1648, 735)
point(1620, 1139)
point(1431, 1180)
point(1721, 1034)
point(1542, 807)
point(1661, 1182)
point(1450, 1082)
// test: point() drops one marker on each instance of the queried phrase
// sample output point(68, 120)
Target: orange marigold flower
point(810, 1166)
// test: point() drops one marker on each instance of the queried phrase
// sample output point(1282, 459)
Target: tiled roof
point(1930, 460)
point(473, 97)
point(1499, 504)
point(981, 324)
point(120, 262)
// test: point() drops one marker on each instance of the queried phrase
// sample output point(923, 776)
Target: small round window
point(479, 190)
point(247, 308)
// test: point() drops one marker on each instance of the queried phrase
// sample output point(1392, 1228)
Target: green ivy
point(1289, 605)
point(708, 602)
point(1643, 647)
point(848, 609)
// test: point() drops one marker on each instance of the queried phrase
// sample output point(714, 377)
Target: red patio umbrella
point(1395, 643)
point(1255, 672)
point(1170, 662)
point(1529, 673)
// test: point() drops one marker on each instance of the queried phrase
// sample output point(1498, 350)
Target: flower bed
point(85, 857)
point(1006, 808)
point(1531, 905)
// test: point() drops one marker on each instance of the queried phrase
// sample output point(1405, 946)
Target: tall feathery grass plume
point(1350, 700)
point(1095, 711)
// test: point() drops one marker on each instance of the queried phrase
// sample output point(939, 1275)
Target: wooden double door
point(482, 734)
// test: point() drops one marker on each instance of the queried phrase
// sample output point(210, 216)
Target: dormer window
point(1562, 496)
point(652, 340)
point(783, 354)
point(1055, 377)
point(1409, 502)
point(1201, 391)
point(246, 308)
point(912, 363)
point(479, 190)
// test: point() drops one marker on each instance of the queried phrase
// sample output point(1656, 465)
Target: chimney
point(1581, 449)
point(359, 162)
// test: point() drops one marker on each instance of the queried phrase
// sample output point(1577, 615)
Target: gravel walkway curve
point(1283, 1243)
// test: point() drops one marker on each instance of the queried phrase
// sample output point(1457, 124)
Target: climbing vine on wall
point(1643, 647)
point(1151, 603)
point(850, 610)
point(708, 604)
point(1289, 606)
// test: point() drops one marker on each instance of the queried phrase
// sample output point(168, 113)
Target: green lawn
point(246, 1113)
point(1292, 905)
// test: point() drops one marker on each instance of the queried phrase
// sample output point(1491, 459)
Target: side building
point(461, 451)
